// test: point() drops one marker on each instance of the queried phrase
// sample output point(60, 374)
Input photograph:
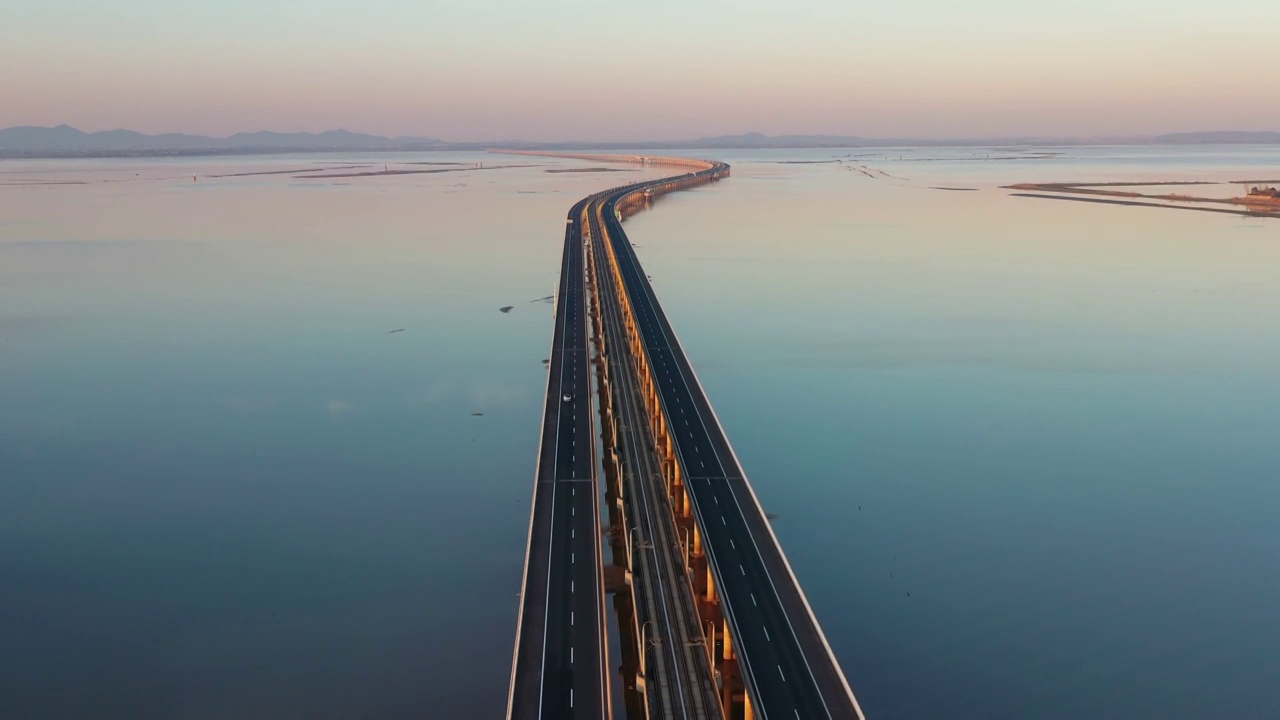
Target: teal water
point(1059, 420)
point(228, 490)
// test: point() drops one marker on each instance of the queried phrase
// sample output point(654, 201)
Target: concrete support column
point(679, 496)
point(729, 673)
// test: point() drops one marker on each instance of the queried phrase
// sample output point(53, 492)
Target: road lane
point(559, 668)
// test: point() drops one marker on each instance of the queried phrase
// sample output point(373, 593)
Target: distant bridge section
point(719, 169)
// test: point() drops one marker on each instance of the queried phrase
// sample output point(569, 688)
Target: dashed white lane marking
point(753, 600)
point(732, 544)
point(572, 583)
point(570, 697)
point(570, 654)
point(716, 499)
point(571, 556)
point(784, 677)
point(766, 634)
point(744, 570)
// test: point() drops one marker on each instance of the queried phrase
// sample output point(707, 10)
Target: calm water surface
point(227, 490)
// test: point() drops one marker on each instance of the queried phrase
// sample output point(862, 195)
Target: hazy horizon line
point(648, 141)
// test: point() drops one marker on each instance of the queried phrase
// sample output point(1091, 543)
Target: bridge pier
point(630, 672)
point(732, 690)
point(679, 500)
point(702, 583)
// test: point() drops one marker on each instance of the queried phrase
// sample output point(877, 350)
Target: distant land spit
point(66, 141)
point(1258, 202)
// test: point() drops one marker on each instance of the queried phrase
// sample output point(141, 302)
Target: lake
point(240, 474)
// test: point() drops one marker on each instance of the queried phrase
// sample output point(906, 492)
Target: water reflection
point(230, 490)
point(1050, 425)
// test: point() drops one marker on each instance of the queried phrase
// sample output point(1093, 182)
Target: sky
point(665, 69)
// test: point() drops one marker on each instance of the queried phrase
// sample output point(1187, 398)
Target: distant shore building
point(1264, 192)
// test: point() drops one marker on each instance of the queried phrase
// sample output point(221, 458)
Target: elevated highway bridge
point(720, 626)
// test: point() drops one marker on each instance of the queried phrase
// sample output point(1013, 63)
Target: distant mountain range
point(66, 141)
point(758, 140)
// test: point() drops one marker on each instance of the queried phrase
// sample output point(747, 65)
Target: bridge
point(559, 669)
point(713, 621)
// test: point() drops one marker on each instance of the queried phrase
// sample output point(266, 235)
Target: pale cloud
point(338, 408)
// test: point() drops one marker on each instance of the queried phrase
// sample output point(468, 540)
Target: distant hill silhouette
point(66, 140)
point(1220, 137)
point(759, 140)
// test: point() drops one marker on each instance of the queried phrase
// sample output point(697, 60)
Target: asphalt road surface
point(560, 668)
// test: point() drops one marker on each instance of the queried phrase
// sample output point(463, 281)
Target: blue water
point(228, 491)
point(1059, 420)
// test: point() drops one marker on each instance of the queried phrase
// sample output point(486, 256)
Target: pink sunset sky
point(571, 70)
